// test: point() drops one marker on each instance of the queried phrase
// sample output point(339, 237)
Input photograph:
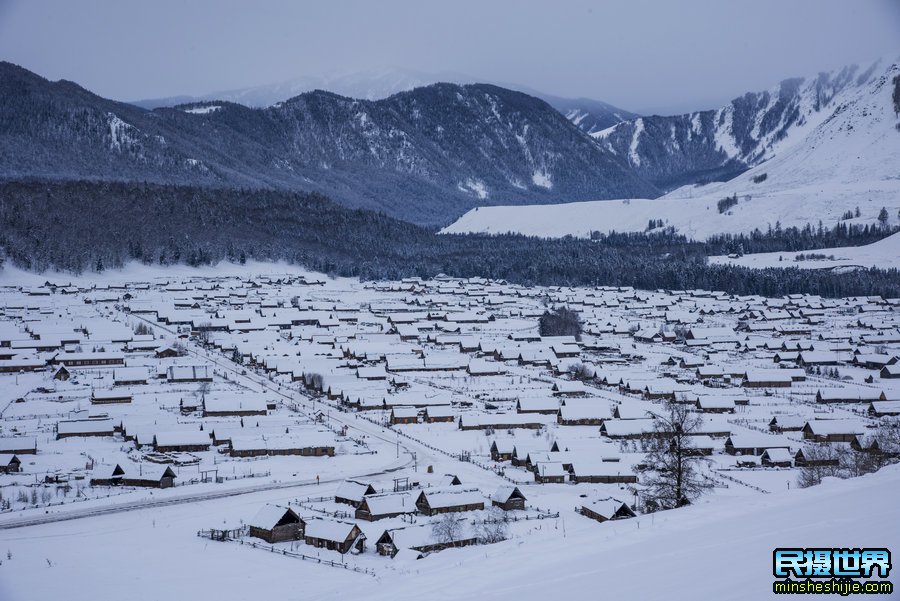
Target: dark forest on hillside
point(92, 226)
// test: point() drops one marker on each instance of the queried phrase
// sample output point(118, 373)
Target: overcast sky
point(642, 55)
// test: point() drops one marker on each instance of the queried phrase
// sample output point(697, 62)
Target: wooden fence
point(236, 535)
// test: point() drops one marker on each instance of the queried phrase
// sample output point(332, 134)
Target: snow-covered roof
point(269, 515)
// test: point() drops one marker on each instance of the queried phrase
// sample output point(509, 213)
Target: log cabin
point(508, 498)
point(351, 492)
point(276, 524)
point(333, 535)
point(433, 502)
point(603, 510)
point(9, 464)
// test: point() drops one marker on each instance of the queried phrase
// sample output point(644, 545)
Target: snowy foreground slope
point(718, 552)
point(692, 554)
point(851, 159)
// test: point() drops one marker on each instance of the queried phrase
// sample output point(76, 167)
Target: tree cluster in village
point(560, 322)
point(841, 461)
point(90, 226)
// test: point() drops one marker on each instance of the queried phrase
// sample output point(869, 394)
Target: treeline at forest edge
point(84, 226)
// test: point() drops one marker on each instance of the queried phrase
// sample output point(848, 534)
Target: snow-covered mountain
point(849, 158)
point(589, 115)
point(426, 155)
point(362, 85)
point(716, 145)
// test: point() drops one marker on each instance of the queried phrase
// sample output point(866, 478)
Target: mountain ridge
point(426, 155)
point(846, 162)
point(719, 144)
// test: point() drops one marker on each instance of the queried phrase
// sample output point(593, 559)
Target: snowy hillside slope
point(883, 254)
point(716, 145)
point(850, 159)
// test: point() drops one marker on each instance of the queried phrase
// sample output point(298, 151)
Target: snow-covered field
point(849, 160)
point(336, 363)
point(883, 254)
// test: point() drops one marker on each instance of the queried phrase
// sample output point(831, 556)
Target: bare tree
point(494, 528)
point(673, 476)
point(580, 371)
point(202, 391)
point(203, 333)
point(842, 461)
point(888, 436)
point(858, 463)
point(821, 461)
point(447, 529)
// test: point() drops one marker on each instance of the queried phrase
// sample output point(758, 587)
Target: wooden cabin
point(438, 414)
point(832, 430)
point(189, 441)
point(110, 397)
point(508, 498)
point(276, 524)
point(420, 539)
point(387, 505)
point(404, 415)
point(801, 460)
point(351, 492)
point(433, 502)
point(607, 509)
point(776, 458)
point(342, 537)
point(9, 464)
point(84, 428)
point(150, 476)
point(754, 443)
point(550, 472)
point(502, 450)
point(18, 445)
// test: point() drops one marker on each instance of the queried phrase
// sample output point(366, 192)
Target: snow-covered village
point(312, 301)
point(356, 428)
